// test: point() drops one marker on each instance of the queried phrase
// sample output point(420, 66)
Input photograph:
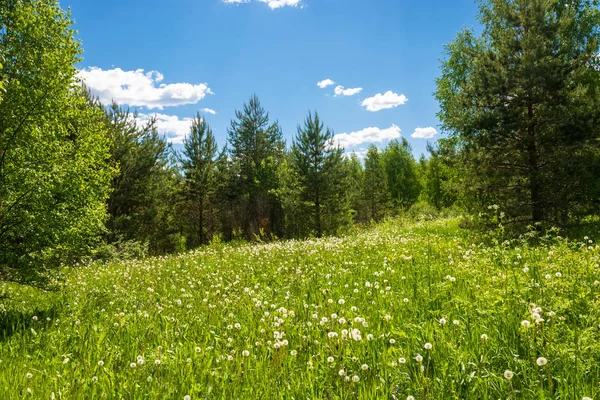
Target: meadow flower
point(442, 321)
point(370, 337)
point(187, 397)
point(456, 322)
point(293, 352)
point(330, 359)
point(342, 372)
point(245, 353)
point(392, 341)
point(157, 362)
point(94, 379)
point(508, 375)
point(405, 300)
point(525, 323)
point(484, 337)
point(198, 349)
point(541, 361)
point(29, 375)
point(419, 358)
point(355, 379)
point(364, 367)
point(101, 363)
point(428, 346)
point(402, 360)
point(133, 365)
point(410, 398)
point(332, 335)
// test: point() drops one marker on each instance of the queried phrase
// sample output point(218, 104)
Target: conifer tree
point(375, 185)
point(318, 163)
point(255, 149)
point(200, 163)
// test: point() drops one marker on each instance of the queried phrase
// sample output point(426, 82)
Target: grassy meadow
point(400, 311)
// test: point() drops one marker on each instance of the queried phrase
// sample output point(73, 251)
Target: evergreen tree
point(54, 176)
point(353, 173)
point(200, 163)
point(318, 163)
point(521, 102)
point(145, 187)
point(256, 150)
point(375, 185)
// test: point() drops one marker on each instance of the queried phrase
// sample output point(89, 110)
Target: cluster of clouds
point(139, 88)
point(273, 4)
point(378, 102)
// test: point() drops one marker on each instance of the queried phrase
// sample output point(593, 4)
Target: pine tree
point(375, 185)
point(255, 148)
point(200, 163)
point(521, 102)
point(318, 163)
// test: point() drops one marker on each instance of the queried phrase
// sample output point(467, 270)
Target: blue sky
point(174, 58)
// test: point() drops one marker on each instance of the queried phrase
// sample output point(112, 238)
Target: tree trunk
point(537, 212)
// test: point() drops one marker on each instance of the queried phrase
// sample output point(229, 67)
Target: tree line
point(519, 105)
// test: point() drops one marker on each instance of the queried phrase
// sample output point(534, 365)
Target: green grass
point(389, 288)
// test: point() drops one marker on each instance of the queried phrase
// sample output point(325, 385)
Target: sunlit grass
point(423, 310)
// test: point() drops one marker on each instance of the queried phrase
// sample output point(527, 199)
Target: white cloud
point(367, 135)
point(340, 91)
point(384, 101)
point(273, 4)
point(139, 88)
point(209, 110)
point(174, 128)
point(324, 83)
point(424, 133)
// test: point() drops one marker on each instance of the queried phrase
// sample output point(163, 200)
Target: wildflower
point(101, 363)
point(332, 335)
point(35, 318)
point(508, 375)
point(157, 362)
point(149, 379)
point(29, 375)
point(541, 361)
point(525, 323)
point(484, 337)
point(402, 360)
point(442, 321)
point(587, 398)
point(428, 346)
point(410, 398)
point(342, 372)
point(370, 337)
point(198, 349)
point(456, 322)
point(355, 379)
point(558, 274)
point(405, 300)
point(419, 358)
point(392, 341)
point(94, 379)
point(330, 359)
point(293, 352)
point(341, 301)
point(245, 353)
point(133, 365)
point(187, 397)
point(364, 367)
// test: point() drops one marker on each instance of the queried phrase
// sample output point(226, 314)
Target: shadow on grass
point(14, 321)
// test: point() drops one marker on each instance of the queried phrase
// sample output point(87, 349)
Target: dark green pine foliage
point(255, 149)
point(144, 190)
point(439, 180)
point(200, 163)
point(318, 163)
point(522, 103)
point(401, 174)
point(374, 185)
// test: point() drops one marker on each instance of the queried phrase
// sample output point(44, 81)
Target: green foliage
point(375, 193)
point(393, 289)
point(401, 174)
point(255, 149)
point(144, 190)
point(201, 166)
point(522, 104)
point(54, 176)
point(318, 166)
